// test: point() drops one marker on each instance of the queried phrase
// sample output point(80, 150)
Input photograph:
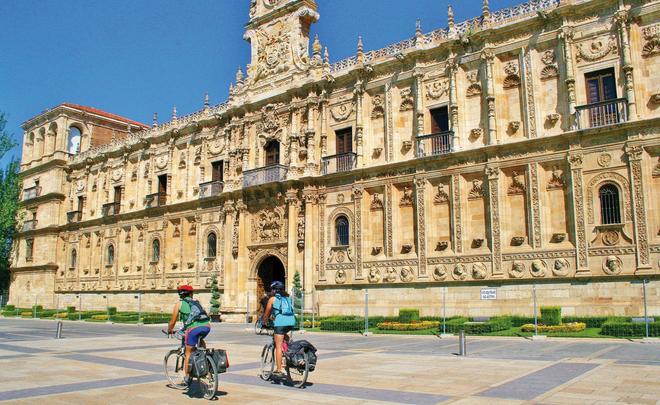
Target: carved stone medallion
point(561, 267)
point(459, 272)
point(439, 272)
point(538, 268)
point(340, 276)
point(612, 265)
point(478, 271)
point(391, 275)
point(407, 274)
point(374, 275)
point(517, 269)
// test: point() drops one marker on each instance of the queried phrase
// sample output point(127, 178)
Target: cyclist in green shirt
point(195, 329)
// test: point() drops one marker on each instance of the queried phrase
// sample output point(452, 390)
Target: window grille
point(74, 258)
point(609, 204)
point(211, 245)
point(111, 255)
point(155, 250)
point(341, 229)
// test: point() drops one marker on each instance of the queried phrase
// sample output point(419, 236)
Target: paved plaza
point(102, 363)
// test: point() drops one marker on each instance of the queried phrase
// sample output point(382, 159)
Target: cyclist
point(195, 323)
point(280, 306)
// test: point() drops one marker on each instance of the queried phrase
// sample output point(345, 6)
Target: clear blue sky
point(134, 58)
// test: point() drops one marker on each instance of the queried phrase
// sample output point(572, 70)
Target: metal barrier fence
point(580, 309)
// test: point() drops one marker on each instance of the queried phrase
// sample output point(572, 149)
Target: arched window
point(609, 204)
point(111, 255)
point(341, 230)
point(73, 142)
point(272, 150)
point(155, 250)
point(74, 258)
point(211, 243)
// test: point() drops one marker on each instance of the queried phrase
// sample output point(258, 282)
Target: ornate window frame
point(625, 201)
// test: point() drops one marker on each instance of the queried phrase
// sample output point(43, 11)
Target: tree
point(215, 294)
point(297, 292)
point(9, 191)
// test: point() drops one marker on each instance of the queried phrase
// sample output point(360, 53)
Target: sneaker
point(278, 374)
point(187, 381)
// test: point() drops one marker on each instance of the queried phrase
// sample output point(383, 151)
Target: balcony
point(343, 162)
point(110, 209)
point(73, 216)
point(32, 192)
point(435, 144)
point(602, 114)
point(210, 188)
point(156, 200)
point(29, 225)
point(263, 175)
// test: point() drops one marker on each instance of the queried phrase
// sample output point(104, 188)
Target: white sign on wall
point(489, 293)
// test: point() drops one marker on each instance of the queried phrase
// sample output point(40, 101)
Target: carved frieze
point(407, 100)
point(596, 49)
point(477, 190)
point(437, 89)
point(376, 202)
point(406, 197)
point(268, 225)
point(342, 111)
point(651, 40)
point(377, 106)
point(441, 196)
point(517, 186)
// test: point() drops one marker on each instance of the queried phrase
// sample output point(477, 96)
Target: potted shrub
point(214, 312)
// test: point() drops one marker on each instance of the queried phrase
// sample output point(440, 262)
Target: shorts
point(281, 330)
point(193, 335)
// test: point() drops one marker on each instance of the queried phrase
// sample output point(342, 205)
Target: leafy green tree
point(9, 191)
point(297, 292)
point(215, 294)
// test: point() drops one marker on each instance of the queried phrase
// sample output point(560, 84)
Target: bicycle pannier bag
point(197, 313)
point(221, 360)
point(199, 367)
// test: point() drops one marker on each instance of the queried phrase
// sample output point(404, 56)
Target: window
point(344, 139)
point(272, 149)
point(601, 85)
point(216, 171)
point(74, 259)
point(155, 250)
point(439, 119)
point(162, 189)
point(111, 255)
point(341, 230)
point(73, 142)
point(29, 248)
point(609, 204)
point(211, 243)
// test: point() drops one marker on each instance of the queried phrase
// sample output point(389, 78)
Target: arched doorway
point(271, 269)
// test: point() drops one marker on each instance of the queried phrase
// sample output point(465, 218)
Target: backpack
point(198, 364)
point(197, 313)
point(288, 311)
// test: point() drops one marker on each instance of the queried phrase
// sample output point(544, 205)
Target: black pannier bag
point(220, 359)
point(199, 367)
point(295, 354)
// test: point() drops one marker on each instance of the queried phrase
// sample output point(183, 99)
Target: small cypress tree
point(215, 295)
point(297, 295)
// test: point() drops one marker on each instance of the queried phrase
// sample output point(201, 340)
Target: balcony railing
point(343, 162)
point(210, 188)
point(602, 114)
point(31, 192)
point(434, 144)
point(29, 225)
point(156, 200)
point(263, 175)
point(110, 209)
point(74, 216)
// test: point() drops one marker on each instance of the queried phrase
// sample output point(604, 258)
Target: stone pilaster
point(311, 203)
point(634, 154)
point(389, 123)
point(488, 56)
point(579, 225)
point(452, 68)
point(457, 226)
point(310, 140)
point(566, 41)
point(420, 220)
point(322, 223)
point(529, 103)
point(622, 21)
point(357, 199)
point(292, 205)
point(418, 130)
point(534, 206)
point(358, 90)
point(324, 127)
point(389, 251)
point(493, 176)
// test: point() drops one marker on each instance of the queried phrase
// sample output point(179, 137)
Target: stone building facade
point(519, 147)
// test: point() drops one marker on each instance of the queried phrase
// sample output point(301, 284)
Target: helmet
point(184, 289)
point(277, 286)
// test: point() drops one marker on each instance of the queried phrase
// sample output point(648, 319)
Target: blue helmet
point(277, 286)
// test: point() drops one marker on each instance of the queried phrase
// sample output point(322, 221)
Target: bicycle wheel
point(267, 362)
point(174, 372)
point(297, 373)
point(209, 383)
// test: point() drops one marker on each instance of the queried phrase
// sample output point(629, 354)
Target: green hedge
point(517, 320)
point(150, 319)
point(71, 309)
point(408, 315)
point(46, 313)
point(551, 316)
point(615, 327)
point(454, 325)
point(343, 324)
point(493, 325)
point(10, 308)
point(592, 321)
point(112, 310)
point(37, 308)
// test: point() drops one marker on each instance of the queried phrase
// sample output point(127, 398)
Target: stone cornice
point(48, 230)
point(42, 199)
point(50, 267)
point(61, 163)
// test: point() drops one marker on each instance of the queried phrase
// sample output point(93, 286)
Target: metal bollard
point(462, 344)
point(58, 334)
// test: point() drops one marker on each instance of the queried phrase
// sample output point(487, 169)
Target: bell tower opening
point(271, 269)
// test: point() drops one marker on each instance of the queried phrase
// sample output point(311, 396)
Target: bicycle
point(174, 361)
point(297, 372)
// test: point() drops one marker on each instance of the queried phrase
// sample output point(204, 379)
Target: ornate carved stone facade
point(333, 169)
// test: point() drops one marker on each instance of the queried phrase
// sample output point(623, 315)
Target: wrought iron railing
point(31, 192)
point(29, 225)
point(156, 200)
point(74, 216)
point(602, 114)
point(342, 162)
point(434, 144)
point(210, 188)
point(263, 175)
point(110, 209)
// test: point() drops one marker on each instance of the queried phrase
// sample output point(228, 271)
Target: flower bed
point(565, 327)
point(402, 326)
